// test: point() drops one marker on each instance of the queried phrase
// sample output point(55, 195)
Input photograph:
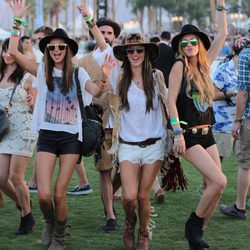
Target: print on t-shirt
point(61, 109)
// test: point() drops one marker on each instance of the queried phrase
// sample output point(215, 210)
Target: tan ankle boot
point(58, 239)
point(48, 228)
point(143, 240)
point(128, 234)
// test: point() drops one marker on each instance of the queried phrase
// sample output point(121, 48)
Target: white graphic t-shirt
point(55, 110)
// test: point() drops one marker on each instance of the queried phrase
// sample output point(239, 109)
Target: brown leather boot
point(58, 239)
point(143, 240)
point(48, 228)
point(128, 234)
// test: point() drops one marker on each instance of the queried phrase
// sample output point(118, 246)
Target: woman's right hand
point(83, 8)
point(18, 7)
point(179, 146)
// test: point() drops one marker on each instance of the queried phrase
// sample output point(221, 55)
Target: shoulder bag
point(92, 131)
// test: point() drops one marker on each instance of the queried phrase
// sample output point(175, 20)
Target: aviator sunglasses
point(60, 46)
point(193, 41)
point(131, 51)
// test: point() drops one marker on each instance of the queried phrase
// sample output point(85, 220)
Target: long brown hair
point(18, 73)
point(67, 81)
point(126, 78)
point(199, 78)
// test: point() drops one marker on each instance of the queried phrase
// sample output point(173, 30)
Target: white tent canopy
point(4, 34)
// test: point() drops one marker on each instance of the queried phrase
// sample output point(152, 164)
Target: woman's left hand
point(108, 65)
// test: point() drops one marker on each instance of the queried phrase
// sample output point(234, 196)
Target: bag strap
point(12, 94)
point(79, 95)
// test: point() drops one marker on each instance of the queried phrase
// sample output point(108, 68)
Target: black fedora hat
point(190, 29)
point(59, 33)
point(136, 39)
point(103, 21)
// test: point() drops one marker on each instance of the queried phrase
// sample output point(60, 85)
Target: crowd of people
point(143, 87)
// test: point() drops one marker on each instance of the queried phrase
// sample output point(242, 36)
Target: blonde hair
point(199, 78)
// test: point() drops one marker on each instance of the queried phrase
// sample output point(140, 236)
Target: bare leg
point(67, 164)
point(18, 166)
point(147, 178)
point(107, 192)
point(5, 184)
point(83, 179)
point(243, 184)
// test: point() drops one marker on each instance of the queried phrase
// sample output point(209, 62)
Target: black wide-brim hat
point(59, 33)
point(190, 29)
point(135, 39)
point(103, 21)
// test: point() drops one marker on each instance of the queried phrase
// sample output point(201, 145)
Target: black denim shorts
point(204, 140)
point(58, 142)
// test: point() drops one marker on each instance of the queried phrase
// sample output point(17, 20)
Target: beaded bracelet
point(177, 131)
point(178, 139)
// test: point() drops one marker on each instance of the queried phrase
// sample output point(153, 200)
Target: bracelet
point(175, 120)
point(90, 21)
point(177, 131)
point(19, 20)
point(13, 35)
point(15, 32)
point(221, 8)
point(178, 139)
point(238, 120)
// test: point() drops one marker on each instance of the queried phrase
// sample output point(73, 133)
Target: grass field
point(86, 218)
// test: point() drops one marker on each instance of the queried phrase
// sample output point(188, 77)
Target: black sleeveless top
point(190, 110)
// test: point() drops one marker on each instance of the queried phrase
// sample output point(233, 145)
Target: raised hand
point(18, 7)
point(108, 65)
point(83, 8)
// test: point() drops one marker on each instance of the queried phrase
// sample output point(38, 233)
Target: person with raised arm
point(190, 96)
point(57, 118)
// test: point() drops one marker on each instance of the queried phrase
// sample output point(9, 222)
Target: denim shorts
point(146, 155)
point(198, 139)
point(58, 142)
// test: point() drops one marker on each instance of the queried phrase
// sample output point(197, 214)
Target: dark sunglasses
point(131, 51)
point(193, 41)
point(60, 46)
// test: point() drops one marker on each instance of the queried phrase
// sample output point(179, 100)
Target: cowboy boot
point(143, 240)
point(27, 224)
point(128, 234)
point(47, 233)
point(58, 238)
point(194, 232)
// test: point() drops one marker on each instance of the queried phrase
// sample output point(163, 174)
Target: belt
point(109, 130)
point(141, 144)
point(194, 131)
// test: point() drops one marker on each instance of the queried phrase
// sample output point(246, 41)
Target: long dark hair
point(67, 81)
point(147, 79)
point(18, 73)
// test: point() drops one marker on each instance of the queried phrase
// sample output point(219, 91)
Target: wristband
point(178, 139)
point(177, 131)
point(19, 20)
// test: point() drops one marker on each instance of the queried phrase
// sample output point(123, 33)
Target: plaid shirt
point(244, 77)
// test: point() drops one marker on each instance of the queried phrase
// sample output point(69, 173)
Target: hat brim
point(71, 43)
point(204, 38)
point(116, 27)
point(120, 50)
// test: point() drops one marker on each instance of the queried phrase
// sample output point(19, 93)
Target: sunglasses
point(60, 46)
point(193, 41)
point(131, 51)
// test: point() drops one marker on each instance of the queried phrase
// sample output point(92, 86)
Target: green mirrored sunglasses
point(193, 41)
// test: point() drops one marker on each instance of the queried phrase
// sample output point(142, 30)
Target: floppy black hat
point(109, 22)
point(136, 39)
point(190, 29)
point(59, 33)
